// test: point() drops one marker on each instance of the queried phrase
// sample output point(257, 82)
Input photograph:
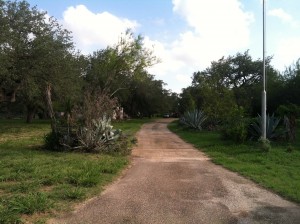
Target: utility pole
point(264, 93)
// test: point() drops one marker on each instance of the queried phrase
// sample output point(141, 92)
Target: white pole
point(264, 94)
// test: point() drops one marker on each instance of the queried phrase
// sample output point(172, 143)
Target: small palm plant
point(193, 119)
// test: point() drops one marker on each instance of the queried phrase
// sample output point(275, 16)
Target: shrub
point(235, 126)
point(264, 144)
point(52, 141)
point(99, 137)
point(87, 127)
point(193, 119)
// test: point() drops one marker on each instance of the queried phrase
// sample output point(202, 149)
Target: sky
point(186, 35)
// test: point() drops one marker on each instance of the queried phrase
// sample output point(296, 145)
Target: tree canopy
point(235, 81)
point(38, 55)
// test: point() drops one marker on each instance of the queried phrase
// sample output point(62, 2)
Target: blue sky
point(185, 34)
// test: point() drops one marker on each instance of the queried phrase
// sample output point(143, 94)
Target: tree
point(112, 69)
point(146, 96)
point(235, 80)
point(121, 71)
point(38, 54)
point(292, 83)
point(186, 101)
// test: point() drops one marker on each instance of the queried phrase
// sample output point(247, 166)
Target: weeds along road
point(171, 182)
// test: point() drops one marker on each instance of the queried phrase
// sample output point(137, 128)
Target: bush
point(193, 119)
point(87, 127)
point(235, 126)
point(264, 144)
point(236, 131)
point(52, 141)
point(100, 137)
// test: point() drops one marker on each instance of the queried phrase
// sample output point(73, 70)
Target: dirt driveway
point(170, 182)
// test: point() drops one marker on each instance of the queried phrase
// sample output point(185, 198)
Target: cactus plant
point(272, 130)
point(100, 134)
point(193, 119)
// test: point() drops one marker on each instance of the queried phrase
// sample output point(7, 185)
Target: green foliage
point(186, 102)
point(121, 71)
point(7, 216)
point(112, 69)
point(30, 203)
point(100, 137)
point(272, 130)
point(52, 141)
point(227, 82)
point(291, 91)
point(91, 131)
point(97, 137)
point(236, 80)
point(70, 193)
point(37, 52)
point(264, 144)
point(193, 119)
point(288, 110)
point(235, 126)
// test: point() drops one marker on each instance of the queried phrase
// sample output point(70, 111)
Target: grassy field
point(36, 184)
point(277, 169)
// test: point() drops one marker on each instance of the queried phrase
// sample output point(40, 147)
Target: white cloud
point(93, 31)
point(284, 16)
point(216, 28)
point(287, 52)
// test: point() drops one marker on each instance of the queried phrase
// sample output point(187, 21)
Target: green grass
point(277, 169)
point(35, 183)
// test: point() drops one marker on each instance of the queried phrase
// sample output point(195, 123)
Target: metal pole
point(264, 94)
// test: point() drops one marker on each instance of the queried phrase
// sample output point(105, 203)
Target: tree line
point(228, 95)
point(38, 63)
point(38, 58)
point(236, 81)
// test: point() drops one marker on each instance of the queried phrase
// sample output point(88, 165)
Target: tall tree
point(112, 69)
point(292, 81)
point(38, 54)
point(237, 77)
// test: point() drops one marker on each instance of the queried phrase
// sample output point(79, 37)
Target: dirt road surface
point(171, 182)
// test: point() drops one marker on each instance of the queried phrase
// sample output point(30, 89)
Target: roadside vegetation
point(36, 183)
point(80, 142)
point(220, 114)
point(278, 169)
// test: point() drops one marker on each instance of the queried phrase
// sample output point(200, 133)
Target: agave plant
point(193, 119)
point(272, 130)
point(95, 138)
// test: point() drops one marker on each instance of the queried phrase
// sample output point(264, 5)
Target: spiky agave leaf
point(193, 119)
point(272, 123)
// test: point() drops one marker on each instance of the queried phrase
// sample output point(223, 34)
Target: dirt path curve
point(171, 182)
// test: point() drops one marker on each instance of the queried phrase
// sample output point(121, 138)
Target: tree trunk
point(30, 113)
point(50, 108)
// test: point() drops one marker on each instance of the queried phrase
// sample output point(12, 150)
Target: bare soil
point(172, 182)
